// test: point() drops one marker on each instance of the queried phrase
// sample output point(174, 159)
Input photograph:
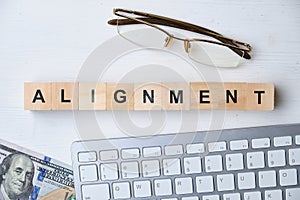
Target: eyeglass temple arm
point(189, 27)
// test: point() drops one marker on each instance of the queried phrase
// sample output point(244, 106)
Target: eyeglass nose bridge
point(187, 46)
point(169, 39)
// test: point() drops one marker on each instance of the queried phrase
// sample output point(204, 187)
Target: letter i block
point(37, 96)
point(119, 96)
point(65, 96)
point(176, 96)
point(92, 96)
point(260, 96)
point(148, 96)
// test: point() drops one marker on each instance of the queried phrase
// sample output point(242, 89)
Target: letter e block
point(92, 96)
point(37, 96)
point(119, 96)
point(200, 96)
point(65, 96)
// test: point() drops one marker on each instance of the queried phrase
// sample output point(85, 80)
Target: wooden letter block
point(92, 96)
point(65, 96)
point(37, 96)
point(200, 96)
point(260, 96)
point(148, 96)
point(236, 95)
point(119, 96)
point(176, 96)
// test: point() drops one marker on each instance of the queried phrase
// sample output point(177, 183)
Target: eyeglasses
point(213, 49)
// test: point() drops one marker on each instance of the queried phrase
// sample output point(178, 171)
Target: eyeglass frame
point(240, 48)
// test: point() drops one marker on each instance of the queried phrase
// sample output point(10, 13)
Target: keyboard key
point(192, 165)
point(225, 182)
point(238, 145)
point(273, 195)
point(276, 158)
point(173, 150)
point(213, 163)
point(88, 173)
point(288, 177)
point(216, 146)
point(121, 190)
point(142, 189)
point(129, 170)
point(171, 166)
point(282, 141)
point(297, 139)
point(183, 185)
point(267, 179)
point(130, 153)
point(204, 184)
point(150, 168)
point(211, 197)
point(91, 192)
point(255, 160)
point(152, 152)
point(195, 148)
point(294, 156)
point(252, 195)
point(292, 194)
point(163, 187)
point(261, 143)
point(90, 156)
point(234, 162)
point(109, 155)
point(233, 196)
point(109, 171)
point(190, 198)
point(246, 180)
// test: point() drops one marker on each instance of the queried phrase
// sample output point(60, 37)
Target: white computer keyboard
point(239, 164)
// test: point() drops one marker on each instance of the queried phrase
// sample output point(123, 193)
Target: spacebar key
point(92, 192)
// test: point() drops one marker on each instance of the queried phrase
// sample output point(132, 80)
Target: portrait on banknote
point(25, 175)
point(16, 175)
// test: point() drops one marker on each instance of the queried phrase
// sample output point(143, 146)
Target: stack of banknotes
point(25, 174)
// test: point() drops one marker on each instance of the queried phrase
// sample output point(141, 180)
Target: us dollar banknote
point(27, 175)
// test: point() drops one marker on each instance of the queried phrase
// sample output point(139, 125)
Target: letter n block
point(236, 96)
point(37, 96)
point(148, 96)
point(92, 96)
point(119, 96)
point(65, 96)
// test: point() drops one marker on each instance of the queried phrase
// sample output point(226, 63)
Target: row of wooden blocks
point(148, 96)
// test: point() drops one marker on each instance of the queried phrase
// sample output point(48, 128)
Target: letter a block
point(65, 96)
point(37, 96)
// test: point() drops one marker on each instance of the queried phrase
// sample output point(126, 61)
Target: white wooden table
point(51, 41)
